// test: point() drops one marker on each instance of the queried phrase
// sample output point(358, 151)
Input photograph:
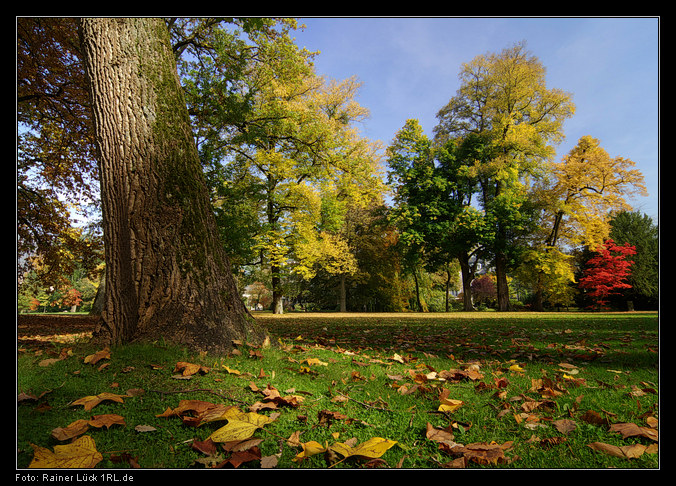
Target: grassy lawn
point(476, 390)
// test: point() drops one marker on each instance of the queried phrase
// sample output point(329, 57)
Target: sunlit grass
point(366, 359)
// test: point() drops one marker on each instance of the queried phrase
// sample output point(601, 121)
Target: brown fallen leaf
point(98, 356)
point(81, 426)
point(269, 462)
point(631, 430)
point(564, 426)
point(240, 457)
point(625, 452)
point(484, 453)
point(106, 420)
point(90, 402)
point(594, 418)
point(189, 369)
point(206, 447)
point(75, 429)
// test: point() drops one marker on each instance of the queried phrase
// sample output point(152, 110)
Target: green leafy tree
point(293, 139)
point(412, 174)
point(504, 100)
point(434, 203)
point(639, 231)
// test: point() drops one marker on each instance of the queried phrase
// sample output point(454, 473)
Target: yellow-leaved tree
point(296, 138)
point(583, 192)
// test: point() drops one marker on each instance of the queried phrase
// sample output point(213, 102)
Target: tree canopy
point(311, 211)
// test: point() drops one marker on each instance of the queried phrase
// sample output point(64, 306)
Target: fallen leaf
point(98, 356)
point(76, 428)
point(240, 426)
point(310, 449)
point(106, 420)
point(90, 402)
point(81, 453)
point(625, 452)
point(206, 447)
point(448, 404)
point(48, 362)
point(240, 457)
point(564, 426)
point(314, 362)
point(231, 371)
point(631, 430)
point(371, 449)
point(189, 369)
point(484, 453)
point(269, 462)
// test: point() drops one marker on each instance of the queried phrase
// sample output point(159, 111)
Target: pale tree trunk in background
point(167, 275)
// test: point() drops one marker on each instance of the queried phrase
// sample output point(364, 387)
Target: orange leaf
point(189, 369)
point(90, 402)
point(98, 356)
point(106, 420)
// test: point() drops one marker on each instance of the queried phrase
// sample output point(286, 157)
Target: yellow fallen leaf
point(310, 449)
point(81, 453)
point(315, 361)
point(231, 371)
point(107, 420)
point(371, 449)
point(240, 426)
point(516, 367)
point(449, 405)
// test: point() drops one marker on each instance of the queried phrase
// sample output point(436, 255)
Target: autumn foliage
point(606, 273)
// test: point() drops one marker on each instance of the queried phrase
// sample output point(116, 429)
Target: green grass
point(616, 356)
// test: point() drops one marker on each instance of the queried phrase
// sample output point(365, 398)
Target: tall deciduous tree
point(504, 99)
point(166, 271)
point(56, 169)
point(295, 136)
point(586, 189)
point(639, 231)
point(417, 189)
point(434, 191)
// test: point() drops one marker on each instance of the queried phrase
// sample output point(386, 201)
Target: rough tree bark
point(167, 274)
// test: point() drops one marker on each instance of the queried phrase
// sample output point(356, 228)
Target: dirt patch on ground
point(36, 331)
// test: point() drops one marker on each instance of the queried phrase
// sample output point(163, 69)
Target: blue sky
point(409, 69)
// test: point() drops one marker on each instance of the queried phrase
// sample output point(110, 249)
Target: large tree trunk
point(167, 274)
point(277, 293)
point(343, 293)
point(501, 281)
point(467, 271)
